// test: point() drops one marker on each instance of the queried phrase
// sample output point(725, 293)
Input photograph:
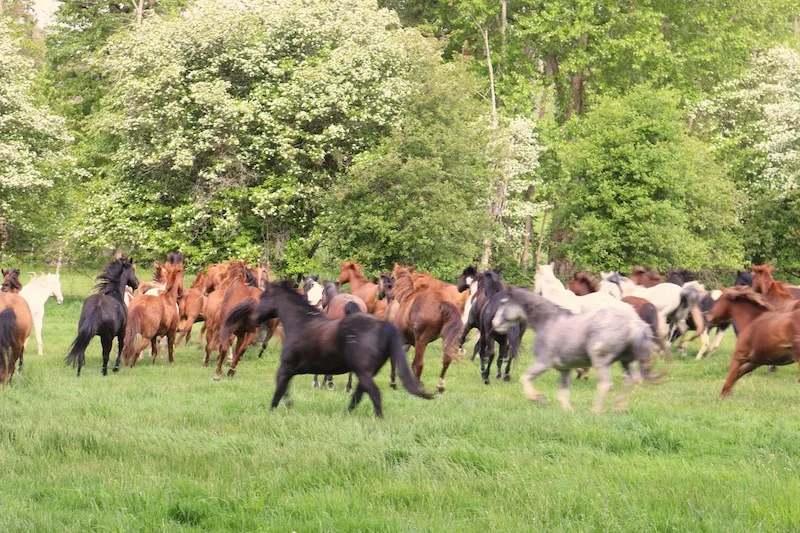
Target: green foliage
point(638, 189)
point(420, 197)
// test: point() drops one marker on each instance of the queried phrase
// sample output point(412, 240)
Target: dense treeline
point(434, 133)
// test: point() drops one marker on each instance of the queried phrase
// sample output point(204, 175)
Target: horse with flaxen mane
point(314, 344)
point(159, 279)
point(766, 336)
point(423, 317)
point(16, 323)
point(105, 314)
point(154, 316)
point(362, 287)
point(242, 290)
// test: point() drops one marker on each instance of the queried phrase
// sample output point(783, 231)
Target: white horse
point(36, 293)
point(674, 303)
point(548, 286)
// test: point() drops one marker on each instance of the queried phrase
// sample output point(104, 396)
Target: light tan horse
point(154, 316)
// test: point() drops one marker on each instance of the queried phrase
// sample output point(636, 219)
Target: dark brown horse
point(154, 316)
point(362, 287)
point(423, 317)
point(582, 283)
point(16, 323)
point(646, 277)
point(765, 336)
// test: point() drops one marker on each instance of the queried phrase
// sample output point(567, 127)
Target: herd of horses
point(588, 324)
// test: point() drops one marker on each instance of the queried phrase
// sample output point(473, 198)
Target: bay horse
point(190, 306)
point(565, 341)
point(766, 336)
point(362, 287)
point(313, 343)
point(105, 314)
point(36, 292)
point(154, 316)
point(16, 323)
point(423, 316)
point(242, 290)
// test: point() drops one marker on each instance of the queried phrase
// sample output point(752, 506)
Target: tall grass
point(163, 447)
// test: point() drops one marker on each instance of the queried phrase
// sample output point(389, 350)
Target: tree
point(420, 196)
point(638, 189)
point(32, 153)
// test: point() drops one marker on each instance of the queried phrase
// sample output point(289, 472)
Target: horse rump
point(240, 317)
point(8, 325)
point(394, 344)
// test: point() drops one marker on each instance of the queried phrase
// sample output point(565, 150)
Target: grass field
point(164, 448)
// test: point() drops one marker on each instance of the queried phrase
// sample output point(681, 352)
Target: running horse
point(105, 314)
point(190, 305)
point(424, 316)
point(766, 336)
point(16, 323)
point(154, 316)
point(362, 287)
point(38, 290)
point(782, 296)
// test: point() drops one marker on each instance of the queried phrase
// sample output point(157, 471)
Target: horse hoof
point(231, 372)
point(216, 377)
point(507, 377)
point(462, 352)
point(440, 389)
point(348, 389)
point(330, 385)
point(499, 375)
point(115, 369)
point(486, 381)
point(393, 385)
point(105, 372)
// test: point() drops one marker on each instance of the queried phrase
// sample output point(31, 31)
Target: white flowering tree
point(247, 110)
point(32, 140)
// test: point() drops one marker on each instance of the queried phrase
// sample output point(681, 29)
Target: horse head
point(509, 313)
point(469, 275)
point(52, 282)
point(11, 281)
point(385, 286)
point(762, 278)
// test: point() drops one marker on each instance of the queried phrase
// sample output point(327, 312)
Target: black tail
point(515, 335)
point(649, 313)
point(240, 317)
point(8, 324)
point(350, 308)
point(87, 329)
point(398, 357)
point(451, 329)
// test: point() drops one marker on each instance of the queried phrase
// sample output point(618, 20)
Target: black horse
point(476, 303)
point(314, 344)
point(105, 314)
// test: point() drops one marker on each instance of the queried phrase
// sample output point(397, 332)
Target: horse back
point(22, 310)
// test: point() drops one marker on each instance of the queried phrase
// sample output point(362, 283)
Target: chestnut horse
point(159, 279)
point(423, 317)
point(765, 336)
point(362, 287)
point(242, 289)
point(16, 324)
point(215, 275)
point(190, 305)
point(782, 296)
point(425, 282)
point(153, 317)
point(646, 277)
point(105, 314)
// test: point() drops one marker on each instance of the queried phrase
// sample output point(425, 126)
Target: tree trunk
point(503, 26)
point(487, 239)
point(118, 252)
point(491, 77)
point(525, 256)
point(139, 12)
point(3, 230)
point(578, 85)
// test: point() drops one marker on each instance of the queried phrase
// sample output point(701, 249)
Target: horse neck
point(36, 294)
point(540, 310)
point(173, 285)
point(357, 280)
point(743, 313)
point(295, 317)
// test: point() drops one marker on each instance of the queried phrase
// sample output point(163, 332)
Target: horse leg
point(703, 344)
point(446, 359)
point(139, 349)
point(200, 337)
point(366, 383)
point(267, 338)
point(717, 340)
point(419, 358)
point(349, 386)
point(329, 381)
point(488, 346)
point(154, 347)
point(392, 374)
point(356, 398)
point(477, 349)
point(604, 384)
point(315, 382)
point(282, 385)
point(21, 359)
point(537, 368)
point(120, 346)
point(186, 331)
point(738, 368)
point(106, 342)
point(171, 344)
point(627, 384)
point(503, 355)
point(563, 390)
point(37, 322)
point(241, 346)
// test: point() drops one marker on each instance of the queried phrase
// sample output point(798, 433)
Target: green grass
point(164, 447)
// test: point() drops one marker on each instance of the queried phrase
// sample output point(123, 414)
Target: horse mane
point(584, 277)
point(404, 284)
point(491, 283)
point(650, 273)
point(424, 281)
point(769, 284)
point(199, 281)
point(250, 278)
point(470, 271)
point(174, 258)
point(749, 295)
point(108, 279)
point(295, 296)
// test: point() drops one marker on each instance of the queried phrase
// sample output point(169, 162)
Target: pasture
point(163, 447)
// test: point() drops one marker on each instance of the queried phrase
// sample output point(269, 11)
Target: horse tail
point(132, 329)
point(643, 351)
point(451, 329)
point(398, 357)
point(350, 308)
point(515, 339)
point(649, 314)
point(8, 324)
point(240, 316)
point(87, 329)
